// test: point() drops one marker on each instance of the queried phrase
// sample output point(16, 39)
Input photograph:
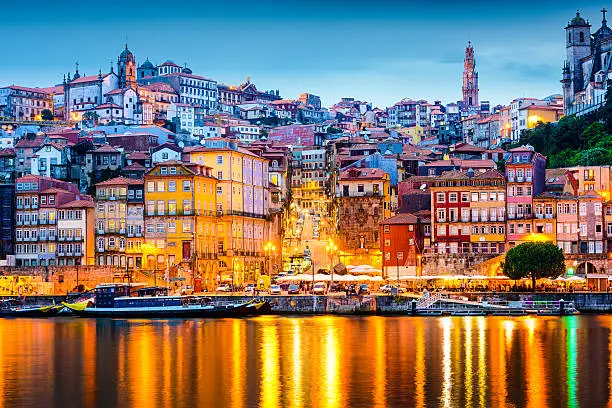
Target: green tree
point(46, 114)
point(535, 260)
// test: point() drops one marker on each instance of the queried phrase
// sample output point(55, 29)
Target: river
point(323, 361)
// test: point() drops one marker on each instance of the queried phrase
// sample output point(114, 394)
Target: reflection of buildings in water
point(469, 390)
point(380, 357)
point(237, 388)
point(420, 367)
point(482, 362)
point(270, 373)
point(535, 373)
point(447, 385)
point(295, 368)
point(330, 381)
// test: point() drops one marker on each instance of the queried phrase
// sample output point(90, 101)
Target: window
point(172, 207)
point(440, 198)
point(150, 186)
point(597, 208)
point(452, 197)
point(160, 208)
point(172, 186)
point(186, 226)
point(441, 230)
point(219, 159)
point(441, 215)
point(582, 209)
point(386, 229)
point(483, 196)
point(360, 188)
point(465, 197)
point(187, 207)
point(219, 189)
point(160, 227)
point(186, 185)
point(150, 228)
point(161, 187)
point(387, 242)
point(150, 207)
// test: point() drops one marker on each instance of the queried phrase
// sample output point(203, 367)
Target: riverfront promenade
point(381, 304)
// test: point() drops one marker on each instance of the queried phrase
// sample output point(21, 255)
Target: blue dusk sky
point(379, 51)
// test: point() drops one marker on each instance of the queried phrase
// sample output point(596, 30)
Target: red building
point(293, 135)
point(402, 244)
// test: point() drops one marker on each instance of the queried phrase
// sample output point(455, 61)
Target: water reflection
point(303, 362)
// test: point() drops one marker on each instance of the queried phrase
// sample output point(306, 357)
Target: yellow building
point(180, 222)
point(242, 203)
point(535, 114)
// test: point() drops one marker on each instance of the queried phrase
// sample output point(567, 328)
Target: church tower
point(577, 46)
point(470, 79)
point(126, 67)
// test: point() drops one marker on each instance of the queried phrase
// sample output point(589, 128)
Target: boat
point(115, 300)
point(468, 312)
point(9, 309)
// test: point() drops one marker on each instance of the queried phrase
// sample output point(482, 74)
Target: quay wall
point(597, 302)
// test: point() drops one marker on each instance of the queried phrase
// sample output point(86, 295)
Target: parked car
point(224, 288)
point(336, 287)
point(275, 290)
point(363, 289)
point(187, 290)
point(293, 289)
point(389, 288)
point(319, 288)
point(250, 289)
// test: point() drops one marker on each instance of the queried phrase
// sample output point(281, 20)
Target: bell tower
point(126, 67)
point(470, 79)
point(577, 46)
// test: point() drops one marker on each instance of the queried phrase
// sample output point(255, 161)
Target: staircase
point(427, 302)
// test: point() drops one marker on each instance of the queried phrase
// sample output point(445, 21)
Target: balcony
point(100, 231)
point(510, 179)
point(78, 239)
point(529, 179)
point(519, 179)
point(61, 239)
point(511, 217)
point(42, 221)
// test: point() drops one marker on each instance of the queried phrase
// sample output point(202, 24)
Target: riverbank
point(596, 302)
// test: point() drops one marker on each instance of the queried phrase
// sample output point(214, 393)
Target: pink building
point(525, 172)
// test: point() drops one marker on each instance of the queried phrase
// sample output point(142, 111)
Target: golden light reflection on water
point(482, 362)
point(468, 361)
point(420, 363)
point(447, 385)
point(303, 362)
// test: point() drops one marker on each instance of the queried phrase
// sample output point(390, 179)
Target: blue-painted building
point(377, 161)
point(7, 220)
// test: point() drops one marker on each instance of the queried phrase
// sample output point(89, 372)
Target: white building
point(245, 132)
point(48, 155)
point(83, 94)
point(165, 152)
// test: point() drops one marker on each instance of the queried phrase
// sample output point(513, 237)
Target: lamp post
point(268, 249)
point(331, 249)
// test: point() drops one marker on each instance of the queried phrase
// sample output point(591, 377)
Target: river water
point(324, 361)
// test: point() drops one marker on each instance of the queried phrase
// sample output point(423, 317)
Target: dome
point(126, 54)
point(147, 65)
point(578, 20)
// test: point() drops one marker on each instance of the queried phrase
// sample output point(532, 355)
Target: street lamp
point(268, 249)
point(331, 249)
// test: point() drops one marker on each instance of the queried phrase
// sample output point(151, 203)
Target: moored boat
point(115, 300)
point(8, 309)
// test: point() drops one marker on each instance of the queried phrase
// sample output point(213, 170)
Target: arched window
point(569, 37)
point(581, 37)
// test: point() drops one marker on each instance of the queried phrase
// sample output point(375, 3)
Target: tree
point(536, 260)
point(46, 114)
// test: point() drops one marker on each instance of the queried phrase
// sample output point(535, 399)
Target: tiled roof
point(55, 190)
point(36, 142)
point(78, 204)
point(91, 78)
point(138, 156)
point(108, 106)
point(357, 173)
point(23, 88)
point(401, 219)
point(120, 181)
point(7, 152)
point(106, 149)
